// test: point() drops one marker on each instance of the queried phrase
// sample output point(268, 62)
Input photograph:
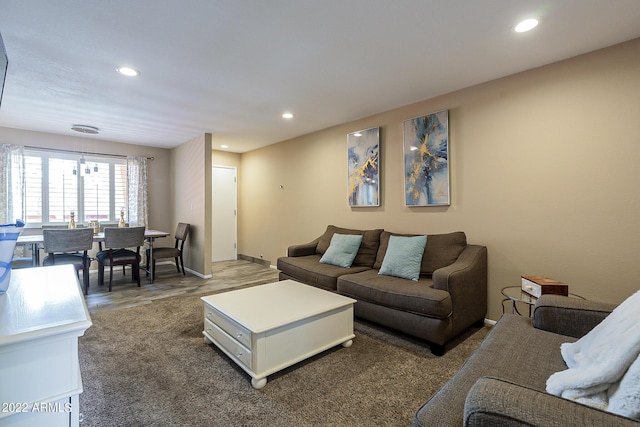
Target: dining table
point(36, 241)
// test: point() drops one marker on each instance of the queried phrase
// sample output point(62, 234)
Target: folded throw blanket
point(604, 365)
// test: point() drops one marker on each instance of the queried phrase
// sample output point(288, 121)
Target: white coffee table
point(267, 328)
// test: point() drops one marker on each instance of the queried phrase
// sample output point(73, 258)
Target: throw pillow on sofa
point(440, 251)
point(403, 257)
point(368, 248)
point(342, 250)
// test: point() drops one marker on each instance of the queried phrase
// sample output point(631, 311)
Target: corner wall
point(544, 172)
point(191, 203)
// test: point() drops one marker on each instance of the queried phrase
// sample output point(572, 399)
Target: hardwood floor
point(170, 283)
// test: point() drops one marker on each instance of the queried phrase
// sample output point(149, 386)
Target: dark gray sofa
point(449, 297)
point(503, 383)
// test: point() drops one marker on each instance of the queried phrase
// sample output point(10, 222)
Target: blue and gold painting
point(426, 160)
point(364, 172)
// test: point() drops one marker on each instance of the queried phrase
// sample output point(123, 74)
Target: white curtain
point(137, 183)
point(12, 183)
point(12, 202)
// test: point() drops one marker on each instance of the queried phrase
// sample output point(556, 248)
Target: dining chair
point(118, 244)
point(181, 234)
point(69, 246)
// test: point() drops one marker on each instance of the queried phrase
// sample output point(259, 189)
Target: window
point(62, 190)
point(93, 188)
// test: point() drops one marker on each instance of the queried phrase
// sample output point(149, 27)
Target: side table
point(515, 294)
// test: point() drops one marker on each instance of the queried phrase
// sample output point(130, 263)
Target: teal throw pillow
point(403, 257)
point(342, 250)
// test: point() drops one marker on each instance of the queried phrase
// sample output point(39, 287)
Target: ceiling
point(232, 67)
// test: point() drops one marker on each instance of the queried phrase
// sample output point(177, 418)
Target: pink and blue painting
point(364, 173)
point(426, 160)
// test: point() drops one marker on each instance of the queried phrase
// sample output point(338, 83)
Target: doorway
point(224, 213)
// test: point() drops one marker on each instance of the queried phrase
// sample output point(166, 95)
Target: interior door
point(224, 214)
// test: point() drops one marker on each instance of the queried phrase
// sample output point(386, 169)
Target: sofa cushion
point(342, 250)
point(309, 270)
point(403, 257)
point(368, 248)
point(400, 294)
point(440, 251)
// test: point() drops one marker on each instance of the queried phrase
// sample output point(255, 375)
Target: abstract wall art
point(364, 168)
point(426, 160)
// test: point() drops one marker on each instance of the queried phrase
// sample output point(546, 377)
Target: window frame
point(79, 214)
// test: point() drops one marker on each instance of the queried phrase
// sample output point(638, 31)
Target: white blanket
point(604, 365)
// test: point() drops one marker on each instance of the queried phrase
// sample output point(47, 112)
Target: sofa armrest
point(496, 402)
point(569, 316)
point(466, 282)
point(303, 249)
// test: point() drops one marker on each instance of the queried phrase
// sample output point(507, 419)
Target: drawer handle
point(239, 355)
point(208, 329)
point(239, 335)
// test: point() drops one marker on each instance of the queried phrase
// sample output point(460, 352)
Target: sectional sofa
point(503, 383)
point(449, 295)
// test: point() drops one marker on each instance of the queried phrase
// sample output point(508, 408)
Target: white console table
point(41, 317)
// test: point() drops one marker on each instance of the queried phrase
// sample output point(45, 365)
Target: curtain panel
point(12, 202)
point(137, 189)
point(12, 183)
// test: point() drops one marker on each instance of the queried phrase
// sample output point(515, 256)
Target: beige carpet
point(149, 366)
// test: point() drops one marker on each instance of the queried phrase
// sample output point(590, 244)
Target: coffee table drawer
point(239, 333)
point(233, 348)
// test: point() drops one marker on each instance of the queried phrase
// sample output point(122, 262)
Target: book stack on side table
point(539, 285)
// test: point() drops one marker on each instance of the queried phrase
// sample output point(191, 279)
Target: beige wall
point(191, 172)
point(544, 172)
point(179, 184)
point(224, 158)
point(158, 178)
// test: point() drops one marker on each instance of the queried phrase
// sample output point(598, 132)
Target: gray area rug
point(149, 366)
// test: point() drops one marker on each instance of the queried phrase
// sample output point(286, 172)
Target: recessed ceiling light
point(224, 146)
point(287, 116)
point(128, 71)
point(85, 129)
point(526, 25)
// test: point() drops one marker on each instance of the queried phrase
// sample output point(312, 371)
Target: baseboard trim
point(195, 273)
point(200, 275)
point(260, 261)
point(489, 322)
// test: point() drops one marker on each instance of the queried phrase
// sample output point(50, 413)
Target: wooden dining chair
point(69, 246)
point(181, 234)
point(118, 244)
